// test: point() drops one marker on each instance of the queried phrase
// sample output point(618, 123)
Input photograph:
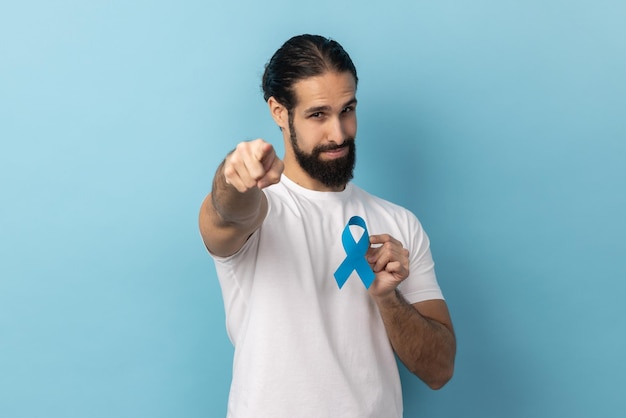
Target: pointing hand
point(253, 164)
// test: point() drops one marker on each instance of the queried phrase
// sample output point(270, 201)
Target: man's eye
point(348, 109)
point(316, 115)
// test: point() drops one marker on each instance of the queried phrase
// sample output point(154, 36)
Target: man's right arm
point(236, 207)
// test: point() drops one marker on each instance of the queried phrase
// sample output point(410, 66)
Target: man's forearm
point(425, 346)
point(229, 216)
point(234, 207)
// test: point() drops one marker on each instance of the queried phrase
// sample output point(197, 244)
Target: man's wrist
point(389, 299)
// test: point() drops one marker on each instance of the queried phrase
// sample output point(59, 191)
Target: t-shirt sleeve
point(422, 282)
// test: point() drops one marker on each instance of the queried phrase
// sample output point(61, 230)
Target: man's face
point(322, 128)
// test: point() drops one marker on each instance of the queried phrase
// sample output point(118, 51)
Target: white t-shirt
point(304, 347)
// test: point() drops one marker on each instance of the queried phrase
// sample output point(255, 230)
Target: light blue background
point(501, 124)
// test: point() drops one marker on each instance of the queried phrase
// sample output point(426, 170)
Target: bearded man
point(310, 338)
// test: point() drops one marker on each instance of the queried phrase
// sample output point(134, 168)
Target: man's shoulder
point(366, 196)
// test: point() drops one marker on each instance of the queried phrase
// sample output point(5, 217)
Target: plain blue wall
point(501, 124)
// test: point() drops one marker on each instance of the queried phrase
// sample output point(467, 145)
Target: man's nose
point(337, 132)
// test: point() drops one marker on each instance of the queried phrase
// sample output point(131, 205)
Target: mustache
point(334, 146)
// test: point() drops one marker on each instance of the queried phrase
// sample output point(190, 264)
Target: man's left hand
point(390, 262)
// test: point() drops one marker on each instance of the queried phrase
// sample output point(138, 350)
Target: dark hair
point(301, 57)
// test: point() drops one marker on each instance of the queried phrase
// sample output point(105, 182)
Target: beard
point(332, 173)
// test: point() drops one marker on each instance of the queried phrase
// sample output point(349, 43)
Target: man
point(307, 345)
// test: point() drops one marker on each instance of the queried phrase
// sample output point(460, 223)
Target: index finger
point(383, 238)
point(263, 150)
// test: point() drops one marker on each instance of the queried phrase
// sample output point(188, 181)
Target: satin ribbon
point(355, 255)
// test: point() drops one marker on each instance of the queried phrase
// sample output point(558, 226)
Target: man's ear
point(279, 113)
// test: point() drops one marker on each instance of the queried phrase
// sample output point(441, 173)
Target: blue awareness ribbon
point(355, 255)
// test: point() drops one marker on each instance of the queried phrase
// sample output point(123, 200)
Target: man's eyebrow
point(350, 102)
point(316, 109)
point(326, 108)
